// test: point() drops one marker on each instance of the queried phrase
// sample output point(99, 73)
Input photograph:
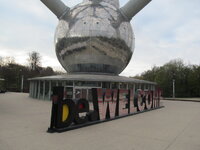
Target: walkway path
point(24, 121)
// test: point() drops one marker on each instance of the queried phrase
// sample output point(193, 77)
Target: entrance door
point(81, 92)
point(85, 93)
point(78, 93)
point(68, 93)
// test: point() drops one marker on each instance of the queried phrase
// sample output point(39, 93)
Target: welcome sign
point(106, 105)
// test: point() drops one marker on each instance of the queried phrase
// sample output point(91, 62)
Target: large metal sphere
point(93, 38)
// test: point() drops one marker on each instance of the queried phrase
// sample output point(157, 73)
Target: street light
point(22, 83)
point(22, 80)
point(173, 83)
point(173, 88)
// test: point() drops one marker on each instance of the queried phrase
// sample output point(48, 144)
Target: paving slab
point(24, 122)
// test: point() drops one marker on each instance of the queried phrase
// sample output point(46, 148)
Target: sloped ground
point(24, 121)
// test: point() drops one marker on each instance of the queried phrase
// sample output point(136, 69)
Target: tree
point(13, 72)
point(1, 61)
point(187, 78)
point(194, 81)
point(47, 72)
point(34, 61)
point(8, 60)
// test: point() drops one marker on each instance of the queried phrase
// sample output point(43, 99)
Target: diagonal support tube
point(130, 9)
point(57, 7)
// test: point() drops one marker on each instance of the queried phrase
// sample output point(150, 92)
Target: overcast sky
point(164, 30)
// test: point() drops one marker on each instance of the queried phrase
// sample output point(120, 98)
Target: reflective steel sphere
point(94, 37)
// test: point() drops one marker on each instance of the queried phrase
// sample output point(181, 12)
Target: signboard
point(106, 105)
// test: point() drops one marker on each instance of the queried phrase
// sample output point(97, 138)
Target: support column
point(149, 88)
point(154, 88)
point(35, 89)
point(73, 90)
point(38, 94)
point(43, 92)
point(119, 85)
point(49, 90)
point(140, 86)
point(30, 89)
point(63, 83)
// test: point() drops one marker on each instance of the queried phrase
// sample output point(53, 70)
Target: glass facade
point(77, 89)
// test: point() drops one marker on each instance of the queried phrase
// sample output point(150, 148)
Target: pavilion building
point(80, 85)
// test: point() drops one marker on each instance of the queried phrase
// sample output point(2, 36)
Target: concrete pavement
point(24, 121)
point(184, 99)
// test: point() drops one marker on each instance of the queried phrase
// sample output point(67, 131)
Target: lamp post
point(22, 83)
point(173, 83)
point(22, 80)
point(173, 88)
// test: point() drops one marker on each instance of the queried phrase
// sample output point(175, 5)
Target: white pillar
point(38, 94)
point(32, 89)
point(119, 85)
point(49, 90)
point(154, 88)
point(43, 92)
point(134, 87)
point(63, 83)
point(151, 87)
point(35, 89)
point(73, 90)
point(140, 86)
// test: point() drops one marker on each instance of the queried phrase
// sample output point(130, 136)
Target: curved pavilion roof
point(91, 77)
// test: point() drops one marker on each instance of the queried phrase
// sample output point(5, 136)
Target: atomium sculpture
point(95, 36)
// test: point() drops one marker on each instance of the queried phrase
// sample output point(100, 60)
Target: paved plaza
point(24, 121)
point(184, 99)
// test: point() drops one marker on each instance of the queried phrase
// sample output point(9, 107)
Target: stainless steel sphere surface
point(94, 37)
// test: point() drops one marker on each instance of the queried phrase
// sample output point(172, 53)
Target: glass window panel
point(106, 85)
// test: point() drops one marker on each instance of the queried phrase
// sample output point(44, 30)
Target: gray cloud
point(164, 30)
